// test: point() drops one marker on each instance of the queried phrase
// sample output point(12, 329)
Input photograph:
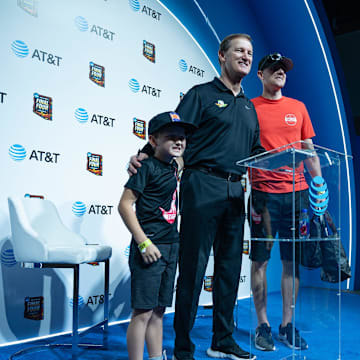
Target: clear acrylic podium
point(306, 225)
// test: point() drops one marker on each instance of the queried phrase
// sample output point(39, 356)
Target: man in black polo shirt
point(212, 197)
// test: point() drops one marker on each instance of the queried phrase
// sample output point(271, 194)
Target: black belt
point(222, 174)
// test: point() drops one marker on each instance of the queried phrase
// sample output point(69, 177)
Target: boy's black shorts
point(152, 285)
point(280, 209)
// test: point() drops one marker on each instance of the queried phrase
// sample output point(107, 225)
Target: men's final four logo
point(139, 128)
point(94, 163)
point(97, 74)
point(149, 51)
point(43, 106)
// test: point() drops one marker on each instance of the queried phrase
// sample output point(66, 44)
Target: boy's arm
point(151, 253)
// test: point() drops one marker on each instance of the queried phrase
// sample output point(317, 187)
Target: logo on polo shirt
point(221, 104)
point(290, 119)
point(170, 215)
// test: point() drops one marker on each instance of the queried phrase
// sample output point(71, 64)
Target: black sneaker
point(263, 338)
point(235, 352)
point(286, 336)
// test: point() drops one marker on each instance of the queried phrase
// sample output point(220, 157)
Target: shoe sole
point(220, 355)
point(284, 340)
point(265, 349)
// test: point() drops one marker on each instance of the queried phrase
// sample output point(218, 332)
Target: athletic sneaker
point(263, 338)
point(235, 353)
point(174, 358)
point(286, 336)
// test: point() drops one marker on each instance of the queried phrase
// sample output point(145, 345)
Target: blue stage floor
point(317, 317)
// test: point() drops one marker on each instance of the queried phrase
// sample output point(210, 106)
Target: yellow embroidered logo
point(221, 104)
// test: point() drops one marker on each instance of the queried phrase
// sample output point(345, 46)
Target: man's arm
point(312, 163)
point(128, 215)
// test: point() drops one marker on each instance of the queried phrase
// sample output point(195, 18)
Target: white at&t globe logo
point(19, 48)
point(17, 152)
point(81, 115)
point(81, 23)
point(78, 208)
point(134, 85)
point(8, 258)
point(134, 4)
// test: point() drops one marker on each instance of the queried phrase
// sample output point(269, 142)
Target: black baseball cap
point(274, 59)
point(166, 119)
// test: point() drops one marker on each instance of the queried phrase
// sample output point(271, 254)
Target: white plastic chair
point(40, 237)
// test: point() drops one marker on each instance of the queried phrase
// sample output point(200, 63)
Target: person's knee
point(259, 267)
point(143, 315)
point(159, 311)
point(290, 269)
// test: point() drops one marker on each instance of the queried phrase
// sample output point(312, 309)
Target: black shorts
point(152, 285)
point(279, 206)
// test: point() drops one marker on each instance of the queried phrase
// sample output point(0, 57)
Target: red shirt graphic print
point(170, 215)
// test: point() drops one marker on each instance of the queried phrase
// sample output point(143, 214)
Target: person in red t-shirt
point(282, 121)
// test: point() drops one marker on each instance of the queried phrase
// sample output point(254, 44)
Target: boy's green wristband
point(142, 246)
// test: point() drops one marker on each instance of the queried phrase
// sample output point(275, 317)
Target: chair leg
point(106, 303)
point(75, 332)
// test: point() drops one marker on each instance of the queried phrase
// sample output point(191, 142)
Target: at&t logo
point(184, 67)
point(82, 25)
point(21, 50)
point(17, 152)
point(100, 209)
point(8, 258)
point(81, 302)
point(134, 85)
point(46, 156)
point(82, 117)
point(145, 89)
point(146, 10)
point(78, 208)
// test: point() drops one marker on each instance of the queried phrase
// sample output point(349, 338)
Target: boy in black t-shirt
point(155, 239)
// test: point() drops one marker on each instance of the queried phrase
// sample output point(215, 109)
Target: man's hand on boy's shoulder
point(151, 254)
point(135, 163)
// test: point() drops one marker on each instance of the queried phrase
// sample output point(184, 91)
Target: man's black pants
point(212, 214)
